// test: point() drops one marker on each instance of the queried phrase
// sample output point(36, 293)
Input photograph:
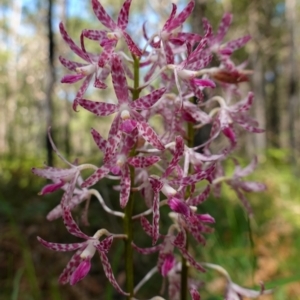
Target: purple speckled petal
point(71, 43)
point(155, 221)
point(125, 186)
point(238, 43)
point(96, 176)
point(244, 105)
point(147, 101)
point(191, 260)
point(114, 137)
point(180, 19)
point(192, 179)
point(156, 184)
point(189, 36)
point(171, 17)
point(180, 240)
point(143, 162)
point(102, 15)
point(107, 52)
point(70, 65)
point(99, 140)
point(195, 201)
point(146, 226)
point(71, 225)
point(223, 28)
point(195, 294)
point(104, 245)
point(150, 135)
point(61, 247)
point(81, 91)
point(119, 80)
point(169, 53)
point(109, 273)
point(133, 48)
point(70, 268)
point(98, 108)
point(95, 35)
point(123, 15)
point(207, 28)
point(179, 150)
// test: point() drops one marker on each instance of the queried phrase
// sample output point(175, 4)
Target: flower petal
point(125, 186)
point(102, 15)
point(71, 43)
point(179, 150)
point(180, 19)
point(123, 15)
point(98, 108)
point(71, 225)
point(143, 162)
point(81, 271)
point(99, 140)
point(109, 273)
point(147, 101)
point(150, 135)
point(113, 141)
point(96, 176)
point(119, 80)
point(61, 247)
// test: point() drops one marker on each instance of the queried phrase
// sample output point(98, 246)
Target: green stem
point(128, 228)
point(136, 78)
point(184, 266)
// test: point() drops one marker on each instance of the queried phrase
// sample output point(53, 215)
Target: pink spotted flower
point(80, 263)
point(86, 71)
point(166, 258)
point(116, 30)
point(170, 187)
point(224, 50)
point(127, 117)
point(119, 164)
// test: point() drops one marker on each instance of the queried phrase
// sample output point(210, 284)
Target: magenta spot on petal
point(179, 206)
point(115, 170)
point(228, 132)
point(168, 264)
point(81, 271)
point(206, 218)
point(128, 126)
point(50, 188)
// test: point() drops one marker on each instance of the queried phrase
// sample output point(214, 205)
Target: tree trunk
point(292, 78)
point(50, 82)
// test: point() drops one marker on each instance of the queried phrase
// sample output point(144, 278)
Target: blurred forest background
point(32, 98)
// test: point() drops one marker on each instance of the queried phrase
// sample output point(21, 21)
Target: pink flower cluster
point(173, 76)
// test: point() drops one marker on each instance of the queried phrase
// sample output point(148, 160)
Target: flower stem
point(128, 228)
point(184, 266)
